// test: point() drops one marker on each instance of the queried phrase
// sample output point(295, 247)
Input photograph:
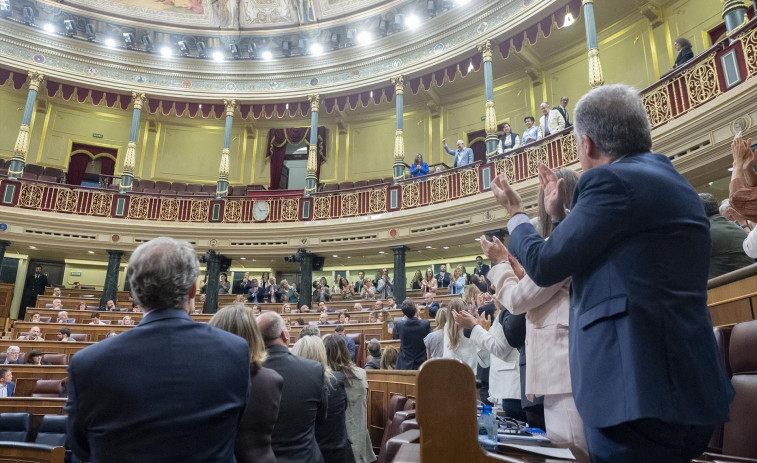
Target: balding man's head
point(273, 329)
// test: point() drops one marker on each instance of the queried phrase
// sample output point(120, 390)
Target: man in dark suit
point(481, 268)
point(273, 291)
point(431, 305)
point(7, 386)
point(563, 110)
point(35, 285)
point(647, 377)
point(411, 332)
point(442, 278)
point(243, 287)
point(359, 282)
point(373, 362)
point(141, 394)
point(304, 400)
point(12, 356)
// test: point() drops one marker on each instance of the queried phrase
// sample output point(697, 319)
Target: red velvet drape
point(77, 166)
point(277, 140)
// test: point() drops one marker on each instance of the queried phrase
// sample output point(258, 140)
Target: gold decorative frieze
point(349, 204)
point(66, 200)
point(657, 105)
point(505, 166)
point(139, 206)
point(469, 182)
point(702, 81)
point(322, 207)
point(290, 209)
point(101, 204)
point(568, 148)
point(749, 45)
point(30, 195)
point(199, 210)
point(232, 210)
point(439, 189)
point(169, 210)
point(536, 155)
point(411, 195)
point(377, 200)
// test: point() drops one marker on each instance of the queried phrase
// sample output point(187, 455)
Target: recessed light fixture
point(412, 21)
point(335, 255)
point(49, 28)
point(428, 247)
point(242, 258)
point(478, 239)
point(316, 49)
point(445, 247)
point(568, 20)
point(267, 55)
point(349, 257)
point(90, 252)
point(166, 52)
point(364, 37)
point(32, 247)
point(110, 43)
point(218, 55)
point(381, 252)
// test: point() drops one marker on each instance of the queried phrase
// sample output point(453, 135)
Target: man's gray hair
point(709, 203)
point(271, 326)
point(12, 348)
point(614, 118)
point(374, 348)
point(310, 330)
point(161, 273)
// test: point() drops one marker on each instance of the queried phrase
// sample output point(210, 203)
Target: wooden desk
point(50, 330)
point(382, 385)
point(26, 376)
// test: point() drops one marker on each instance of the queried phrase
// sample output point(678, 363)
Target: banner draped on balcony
point(83, 94)
point(277, 141)
point(17, 78)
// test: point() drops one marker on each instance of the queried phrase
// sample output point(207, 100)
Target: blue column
point(18, 161)
point(311, 179)
point(223, 171)
point(491, 117)
point(399, 137)
point(596, 76)
point(734, 14)
point(127, 177)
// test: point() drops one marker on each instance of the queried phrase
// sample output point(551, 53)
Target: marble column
point(110, 288)
point(734, 14)
point(596, 76)
point(213, 271)
point(400, 278)
point(3, 244)
point(223, 171)
point(18, 161)
point(311, 180)
point(491, 117)
point(306, 279)
point(127, 177)
point(399, 140)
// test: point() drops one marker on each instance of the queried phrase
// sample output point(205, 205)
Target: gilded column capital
point(138, 99)
point(486, 50)
point(230, 106)
point(35, 80)
point(399, 84)
point(315, 102)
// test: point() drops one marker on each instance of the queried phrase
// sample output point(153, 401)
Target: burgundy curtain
point(107, 165)
point(77, 166)
point(479, 150)
point(277, 140)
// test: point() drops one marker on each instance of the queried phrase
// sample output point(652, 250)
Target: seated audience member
point(323, 319)
point(136, 308)
point(132, 378)
point(35, 334)
point(56, 292)
point(428, 282)
point(35, 317)
point(304, 308)
point(322, 307)
point(458, 280)
point(330, 434)
point(127, 321)
point(339, 330)
point(255, 309)
point(391, 303)
point(368, 291)
point(727, 240)
point(456, 345)
point(418, 168)
point(509, 140)
point(286, 308)
point(95, 319)
point(111, 306)
point(434, 341)
point(298, 322)
point(385, 285)
point(255, 293)
point(531, 134)
point(411, 332)
point(81, 306)
point(373, 317)
point(304, 399)
point(378, 305)
point(373, 362)
point(431, 305)
point(111, 334)
point(358, 307)
point(253, 443)
point(321, 293)
point(62, 317)
point(64, 335)
point(732, 214)
point(310, 330)
point(7, 386)
point(273, 291)
point(356, 387)
point(35, 358)
point(683, 47)
point(57, 305)
point(12, 356)
point(389, 358)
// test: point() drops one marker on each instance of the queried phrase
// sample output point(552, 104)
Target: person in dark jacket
point(411, 332)
point(683, 47)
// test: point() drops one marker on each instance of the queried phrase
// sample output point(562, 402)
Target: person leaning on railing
point(743, 187)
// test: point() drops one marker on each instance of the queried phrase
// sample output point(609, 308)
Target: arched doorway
point(87, 163)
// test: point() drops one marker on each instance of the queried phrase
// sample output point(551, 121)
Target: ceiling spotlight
point(364, 37)
point(267, 55)
point(234, 49)
point(286, 48)
point(569, 19)
point(49, 28)
point(70, 27)
point(202, 51)
point(110, 43)
point(147, 43)
point(129, 40)
point(28, 14)
point(218, 55)
point(166, 52)
point(335, 255)
point(445, 247)
point(183, 48)
point(412, 21)
point(89, 29)
point(316, 49)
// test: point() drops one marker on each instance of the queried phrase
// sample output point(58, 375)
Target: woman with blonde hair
point(356, 386)
point(253, 442)
point(470, 297)
point(434, 341)
point(429, 283)
point(457, 282)
point(331, 435)
point(369, 291)
point(389, 358)
point(286, 308)
point(456, 345)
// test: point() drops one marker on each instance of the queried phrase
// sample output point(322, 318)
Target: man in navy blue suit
point(142, 396)
point(411, 332)
point(646, 375)
point(7, 385)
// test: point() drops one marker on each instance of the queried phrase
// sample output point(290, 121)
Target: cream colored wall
point(92, 273)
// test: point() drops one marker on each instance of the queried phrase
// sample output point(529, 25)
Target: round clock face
point(260, 210)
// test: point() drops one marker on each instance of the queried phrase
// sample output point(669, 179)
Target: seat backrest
point(361, 184)
point(55, 359)
point(47, 178)
point(347, 185)
point(194, 187)
point(46, 388)
point(150, 190)
point(146, 184)
point(739, 432)
point(359, 339)
point(723, 340)
point(81, 337)
point(162, 185)
point(330, 186)
point(29, 175)
point(168, 192)
point(15, 426)
point(24, 452)
point(45, 319)
point(374, 181)
point(53, 172)
point(34, 169)
point(179, 186)
point(395, 404)
point(52, 431)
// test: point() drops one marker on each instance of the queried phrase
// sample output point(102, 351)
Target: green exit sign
point(97, 135)
point(75, 274)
